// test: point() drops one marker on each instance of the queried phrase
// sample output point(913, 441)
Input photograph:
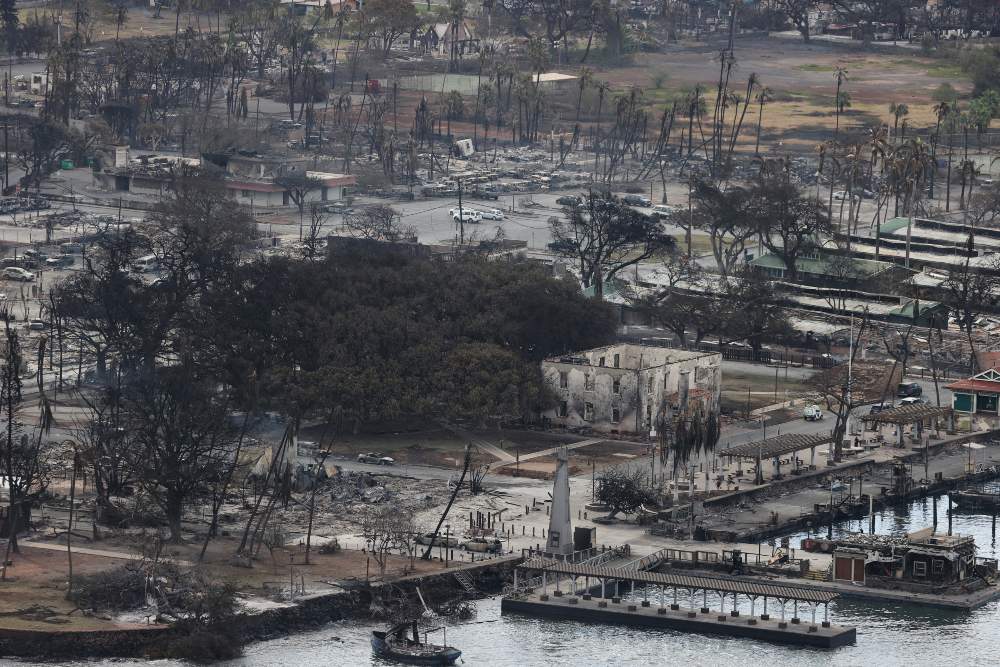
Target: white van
point(466, 214)
point(146, 263)
point(812, 413)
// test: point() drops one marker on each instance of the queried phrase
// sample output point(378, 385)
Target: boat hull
point(384, 649)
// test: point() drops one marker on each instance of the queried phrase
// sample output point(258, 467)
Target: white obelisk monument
point(560, 536)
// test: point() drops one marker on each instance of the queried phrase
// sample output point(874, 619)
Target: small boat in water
point(976, 500)
point(395, 644)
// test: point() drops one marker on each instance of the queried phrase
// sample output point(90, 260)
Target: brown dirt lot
point(802, 78)
point(37, 581)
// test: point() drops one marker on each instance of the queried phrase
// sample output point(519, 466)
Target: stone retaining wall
point(308, 612)
point(119, 643)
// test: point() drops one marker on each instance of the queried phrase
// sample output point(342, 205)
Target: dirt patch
point(527, 442)
point(34, 594)
point(802, 78)
point(436, 447)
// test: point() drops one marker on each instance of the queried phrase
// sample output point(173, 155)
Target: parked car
point(875, 409)
point(842, 195)
point(59, 261)
point(484, 545)
point(637, 200)
point(427, 538)
point(338, 207)
point(485, 193)
point(376, 458)
point(38, 325)
point(664, 211)
point(17, 273)
point(71, 247)
point(491, 214)
point(569, 200)
point(812, 413)
point(912, 400)
point(907, 389)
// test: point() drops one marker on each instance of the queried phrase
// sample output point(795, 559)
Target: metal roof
point(777, 446)
point(907, 414)
point(986, 386)
point(739, 586)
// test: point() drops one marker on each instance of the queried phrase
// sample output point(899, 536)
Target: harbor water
point(887, 634)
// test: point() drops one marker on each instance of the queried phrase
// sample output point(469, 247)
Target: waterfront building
point(919, 561)
point(625, 388)
point(976, 400)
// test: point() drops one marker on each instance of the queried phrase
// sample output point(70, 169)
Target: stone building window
point(617, 360)
point(616, 415)
point(563, 409)
point(616, 386)
point(649, 385)
point(563, 379)
point(588, 412)
point(601, 362)
point(588, 382)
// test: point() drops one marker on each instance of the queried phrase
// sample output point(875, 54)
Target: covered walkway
point(552, 573)
point(775, 448)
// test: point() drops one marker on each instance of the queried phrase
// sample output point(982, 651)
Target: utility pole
point(461, 216)
point(6, 159)
point(829, 529)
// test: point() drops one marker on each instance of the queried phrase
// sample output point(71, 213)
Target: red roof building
point(979, 394)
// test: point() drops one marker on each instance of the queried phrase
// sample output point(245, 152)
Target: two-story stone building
point(624, 388)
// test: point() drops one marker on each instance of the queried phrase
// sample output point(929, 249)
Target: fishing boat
point(976, 500)
point(395, 644)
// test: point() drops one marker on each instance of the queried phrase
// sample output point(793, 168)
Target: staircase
point(818, 575)
point(466, 582)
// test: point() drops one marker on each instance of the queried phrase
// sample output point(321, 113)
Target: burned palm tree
point(839, 101)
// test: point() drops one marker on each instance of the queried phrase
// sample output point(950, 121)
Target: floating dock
point(533, 597)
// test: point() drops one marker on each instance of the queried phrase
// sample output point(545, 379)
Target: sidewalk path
point(92, 552)
point(483, 445)
point(550, 451)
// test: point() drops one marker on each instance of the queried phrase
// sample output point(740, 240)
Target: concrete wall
point(629, 398)
point(275, 199)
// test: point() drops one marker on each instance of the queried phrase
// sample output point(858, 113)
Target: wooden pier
point(546, 596)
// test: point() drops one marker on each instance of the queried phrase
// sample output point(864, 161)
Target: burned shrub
point(119, 589)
